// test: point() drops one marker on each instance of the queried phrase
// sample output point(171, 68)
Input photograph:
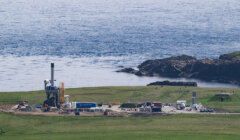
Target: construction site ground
point(115, 110)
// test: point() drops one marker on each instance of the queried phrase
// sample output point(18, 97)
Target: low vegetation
point(231, 56)
point(235, 55)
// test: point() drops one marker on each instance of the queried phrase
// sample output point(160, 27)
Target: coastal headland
point(225, 69)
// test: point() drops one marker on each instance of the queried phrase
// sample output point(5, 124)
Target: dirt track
point(7, 106)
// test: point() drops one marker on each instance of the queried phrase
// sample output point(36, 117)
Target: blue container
point(148, 103)
point(156, 109)
point(85, 105)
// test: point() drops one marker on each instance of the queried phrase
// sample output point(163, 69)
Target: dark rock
point(168, 83)
point(226, 69)
point(128, 70)
point(168, 67)
point(121, 66)
point(139, 73)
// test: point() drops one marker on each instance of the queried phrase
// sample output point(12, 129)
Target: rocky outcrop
point(128, 70)
point(168, 83)
point(226, 69)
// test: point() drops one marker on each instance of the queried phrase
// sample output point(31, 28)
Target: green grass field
point(186, 127)
point(174, 127)
point(135, 94)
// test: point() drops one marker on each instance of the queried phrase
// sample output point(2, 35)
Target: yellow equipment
point(62, 91)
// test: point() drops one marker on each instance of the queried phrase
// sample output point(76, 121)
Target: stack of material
point(181, 104)
point(96, 110)
point(140, 104)
point(128, 105)
point(146, 109)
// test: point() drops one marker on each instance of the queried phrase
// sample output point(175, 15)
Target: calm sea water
point(89, 39)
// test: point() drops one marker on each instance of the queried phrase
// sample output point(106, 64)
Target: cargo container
point(128, 105)
point(144, 109)
point(157, 104)
point(156, 109)
point(85, 105)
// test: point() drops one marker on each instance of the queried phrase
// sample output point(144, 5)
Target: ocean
point(88, 40)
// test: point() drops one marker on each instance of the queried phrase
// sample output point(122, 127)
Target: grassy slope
point(235, 55)
point(185, 127)
point(134, 94)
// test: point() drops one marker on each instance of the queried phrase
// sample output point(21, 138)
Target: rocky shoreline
point(225, 69)
point(168, 83)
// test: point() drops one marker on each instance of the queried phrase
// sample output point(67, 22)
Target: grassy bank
point(136, 94)
point(185, 127)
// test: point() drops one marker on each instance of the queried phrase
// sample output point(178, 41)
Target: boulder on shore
point(128, 70)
